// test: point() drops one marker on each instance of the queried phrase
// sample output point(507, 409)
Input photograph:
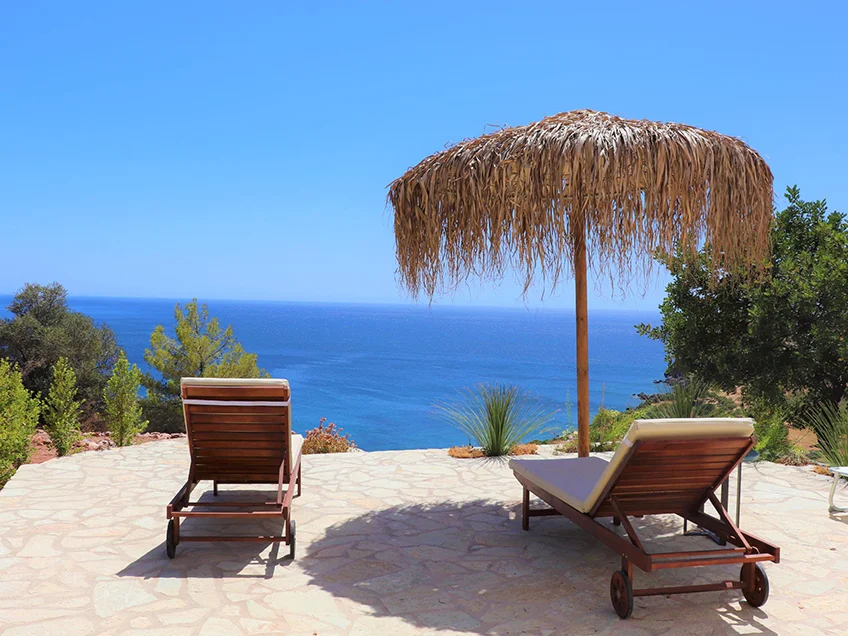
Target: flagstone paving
point(389, 543)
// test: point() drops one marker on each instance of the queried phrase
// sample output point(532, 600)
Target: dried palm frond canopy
point(517, 199)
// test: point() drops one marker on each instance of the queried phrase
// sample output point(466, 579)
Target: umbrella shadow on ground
point(254, 559)
point(469, 567)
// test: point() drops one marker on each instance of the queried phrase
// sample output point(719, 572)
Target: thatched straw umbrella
point(573, 188)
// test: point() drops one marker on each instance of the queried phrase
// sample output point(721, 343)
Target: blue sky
point(242, 150)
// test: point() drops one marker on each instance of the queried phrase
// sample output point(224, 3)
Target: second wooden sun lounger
point(661, 467)
point(239, 432)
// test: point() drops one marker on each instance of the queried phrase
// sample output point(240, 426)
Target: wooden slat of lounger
point(649, 461)
point(246, 452)
point(202, 410)
point(663, 485)
point(236, 392)
point(240, 441)
point(691, 473)
point(682, 447)
point(236, 427)
point(237, 418)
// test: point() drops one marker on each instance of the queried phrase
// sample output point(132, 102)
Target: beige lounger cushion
point(296, 446)
point(569, 479)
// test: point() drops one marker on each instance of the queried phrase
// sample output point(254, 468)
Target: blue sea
point(377, 370)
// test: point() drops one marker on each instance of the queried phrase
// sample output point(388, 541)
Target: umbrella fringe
point(509, 200)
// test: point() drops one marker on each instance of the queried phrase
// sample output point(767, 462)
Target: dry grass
point(470, 452)
point(516, 198)
point(465, 452)
point(524, 449)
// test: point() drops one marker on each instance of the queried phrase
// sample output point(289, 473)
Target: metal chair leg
point(831, 507)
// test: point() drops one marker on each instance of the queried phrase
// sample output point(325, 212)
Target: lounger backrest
point(238, 430)
point(669, 465)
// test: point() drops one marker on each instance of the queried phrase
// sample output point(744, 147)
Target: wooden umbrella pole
point(582, 310)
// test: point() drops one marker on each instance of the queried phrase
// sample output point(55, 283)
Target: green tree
point(62, 409)
point(123, 410)
point(202, 348)
point(42, 329)
point(19, 411)
point(777, 337)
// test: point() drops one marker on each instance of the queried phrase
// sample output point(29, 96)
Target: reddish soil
point(803, 437)
point(42, 447)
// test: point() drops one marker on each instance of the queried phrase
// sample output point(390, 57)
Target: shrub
point(496, 417)
point(62, 409)
point(123, 411)
point(607, 429)
point(772, 433)
point(19, 411)
point(689, 398)
point(326, 439)
point(831, 426)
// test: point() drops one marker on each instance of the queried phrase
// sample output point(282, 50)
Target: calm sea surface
point(377, 370)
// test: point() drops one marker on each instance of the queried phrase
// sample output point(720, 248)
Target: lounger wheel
point(170, 541)
point(621, 593)
point(292, 537)
point(758, 593)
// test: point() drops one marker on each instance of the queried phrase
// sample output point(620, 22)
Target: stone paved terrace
point(389, 543)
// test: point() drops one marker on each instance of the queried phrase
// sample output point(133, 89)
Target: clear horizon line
point(410, 304)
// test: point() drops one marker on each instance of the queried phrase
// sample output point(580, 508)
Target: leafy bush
point(772, 434)
point(496, 417)
point(776, 336)
point(831, 426)
point(42, 328)
point(123, 411)
point(607, 429)
point(19, 411)
point(326, 439)
point(62, 409)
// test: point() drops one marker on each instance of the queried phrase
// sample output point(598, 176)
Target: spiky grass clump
point(690, 398)
point(518, 197)
point(497, 418)
point(830, 423)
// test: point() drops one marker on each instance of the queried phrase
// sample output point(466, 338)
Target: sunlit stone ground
point(389, 543)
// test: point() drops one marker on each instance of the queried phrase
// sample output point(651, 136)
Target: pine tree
point(62, 409)
point(123, 410)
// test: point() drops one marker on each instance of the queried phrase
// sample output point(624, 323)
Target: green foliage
point(772, 433)
point(689, 398)
point(62, 409)
point(830, 422)
point(326, 438)
point(123, 411)
point(496, 417)
point(43, 329)
point(19, 411)
point(201, 349)
point(780, 336)
point(607, 429)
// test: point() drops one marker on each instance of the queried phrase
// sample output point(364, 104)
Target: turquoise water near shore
point(377, 370)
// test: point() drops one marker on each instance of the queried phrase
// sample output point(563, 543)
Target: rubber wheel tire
point(170, 543)
point(292, 539)
point(759, 595)
point(621, 593)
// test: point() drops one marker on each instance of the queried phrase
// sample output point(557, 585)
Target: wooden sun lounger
point(239, 432)
point(661, 467)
